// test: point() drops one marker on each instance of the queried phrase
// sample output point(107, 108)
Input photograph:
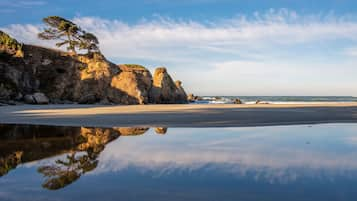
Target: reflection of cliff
point(131, 131)
point(22, 143)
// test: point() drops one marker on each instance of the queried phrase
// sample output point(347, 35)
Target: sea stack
point(165, 90)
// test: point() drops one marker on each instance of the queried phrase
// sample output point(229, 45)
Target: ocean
point(275, 99)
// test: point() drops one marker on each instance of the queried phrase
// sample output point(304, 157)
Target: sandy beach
point(191, 115)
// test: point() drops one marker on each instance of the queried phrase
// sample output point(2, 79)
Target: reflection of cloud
point(272, 154)
point(262, 155)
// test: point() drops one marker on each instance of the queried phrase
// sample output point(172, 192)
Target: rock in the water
point(164, 90)
point(237, 101)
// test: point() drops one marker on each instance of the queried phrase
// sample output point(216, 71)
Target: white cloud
point(280, 37)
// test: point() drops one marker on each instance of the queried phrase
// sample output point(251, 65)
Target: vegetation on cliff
point(69, 34)
point(9, 45)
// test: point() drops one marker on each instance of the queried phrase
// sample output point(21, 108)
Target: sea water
point(276, 99)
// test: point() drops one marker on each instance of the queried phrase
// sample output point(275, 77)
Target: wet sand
point(191, 115)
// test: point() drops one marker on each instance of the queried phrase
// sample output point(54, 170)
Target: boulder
point(36, 98)
point(29, 99)
point(40, 98)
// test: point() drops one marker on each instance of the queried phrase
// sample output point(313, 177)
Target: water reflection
point(264, 163)
point(81, 147)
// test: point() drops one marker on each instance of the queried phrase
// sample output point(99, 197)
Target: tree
point(89, 42)
point(69, 34)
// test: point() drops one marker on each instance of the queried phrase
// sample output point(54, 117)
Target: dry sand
point(179, 115)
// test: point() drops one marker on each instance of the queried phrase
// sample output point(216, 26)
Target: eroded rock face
point(165, 90)
point(85, 79)
point(135, 81)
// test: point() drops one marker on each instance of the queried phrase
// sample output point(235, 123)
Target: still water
point(304, 162)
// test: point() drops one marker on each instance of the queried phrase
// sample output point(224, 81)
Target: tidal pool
point(304, 162)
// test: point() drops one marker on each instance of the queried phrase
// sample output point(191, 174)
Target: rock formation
point(40, 75)
point(136, 81)
point(165, 90)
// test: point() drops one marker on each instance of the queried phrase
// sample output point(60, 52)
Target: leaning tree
point(69, 34)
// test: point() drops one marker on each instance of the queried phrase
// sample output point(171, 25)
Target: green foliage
point(69, 34)
point(8, 42)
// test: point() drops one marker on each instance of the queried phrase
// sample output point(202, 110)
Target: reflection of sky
point(201, 163)
point(272, 150)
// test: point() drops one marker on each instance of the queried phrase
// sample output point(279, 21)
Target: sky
point(215, 47)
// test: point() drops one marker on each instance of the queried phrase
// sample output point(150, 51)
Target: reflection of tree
point(65, 172)
point(81, 160)
point(82, 146)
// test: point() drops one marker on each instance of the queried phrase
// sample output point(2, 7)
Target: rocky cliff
point(40, 75)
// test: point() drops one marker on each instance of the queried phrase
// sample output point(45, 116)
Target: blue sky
point(216, 47)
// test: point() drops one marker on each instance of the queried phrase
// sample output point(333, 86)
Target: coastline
point(186, 115)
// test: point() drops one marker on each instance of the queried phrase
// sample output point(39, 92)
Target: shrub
point(9, 43)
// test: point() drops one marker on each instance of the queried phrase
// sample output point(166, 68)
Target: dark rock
point(36, 98)
point(87, 99)
point(237, 101)
point(40, 98)
point(29, 99)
